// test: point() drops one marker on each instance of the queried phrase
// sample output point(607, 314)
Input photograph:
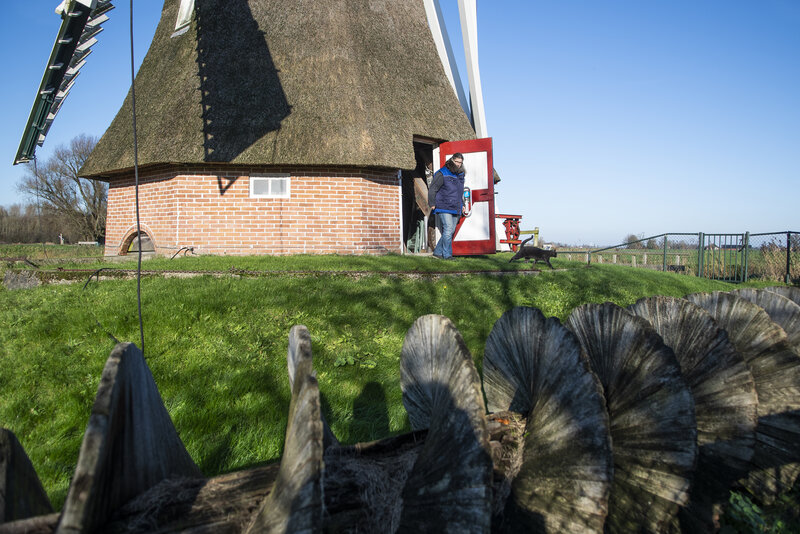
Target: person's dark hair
point(452, 166)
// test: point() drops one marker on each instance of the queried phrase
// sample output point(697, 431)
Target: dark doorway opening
point(415, 204)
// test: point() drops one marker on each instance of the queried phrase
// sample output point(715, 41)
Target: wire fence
point(775, 256)
point(728, 257)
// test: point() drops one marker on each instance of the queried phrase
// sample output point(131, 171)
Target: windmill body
point(267, 127)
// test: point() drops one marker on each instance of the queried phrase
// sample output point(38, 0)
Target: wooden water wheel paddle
point(725, 399)
point(782, 310)
point(449, 487)
point(295, 503)
point(790, 292)
point(21, 491)
point(534, 366)
point(776, 372)
point(651, 411)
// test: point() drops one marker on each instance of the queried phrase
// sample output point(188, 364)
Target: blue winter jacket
point(446, 191)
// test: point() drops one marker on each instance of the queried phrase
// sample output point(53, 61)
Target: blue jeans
point(446, 223)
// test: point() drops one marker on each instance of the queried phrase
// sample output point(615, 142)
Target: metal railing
point(729, 257)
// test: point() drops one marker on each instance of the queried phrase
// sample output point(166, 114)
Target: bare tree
point(633, 241)
point(81, 203)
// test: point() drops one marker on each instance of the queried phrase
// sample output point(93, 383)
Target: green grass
point(39, 251)
point(217, 346)
point(317, 262)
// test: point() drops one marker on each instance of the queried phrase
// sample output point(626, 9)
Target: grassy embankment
point(217, 345)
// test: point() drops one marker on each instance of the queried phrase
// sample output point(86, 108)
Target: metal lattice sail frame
point(81, 22)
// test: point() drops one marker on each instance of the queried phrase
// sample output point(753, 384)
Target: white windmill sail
point(468, 10)
point(80, 23)
point(442, 40)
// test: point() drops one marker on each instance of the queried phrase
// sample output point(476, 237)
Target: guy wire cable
point(136, 181)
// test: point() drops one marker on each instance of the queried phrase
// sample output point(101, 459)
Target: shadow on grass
point(370, 414)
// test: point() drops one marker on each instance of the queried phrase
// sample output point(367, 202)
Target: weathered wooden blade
point(726, 404)
point(21, 492)
point(295, 503)
point(130, 444)
point(790, 292)
point(651, 410)
point(776, 372)
point(421, 195)
point(299, 360)
point(782, 310)
point(535, 366)
point(449, 488)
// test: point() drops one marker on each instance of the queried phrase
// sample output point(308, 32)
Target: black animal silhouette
point(535, 253)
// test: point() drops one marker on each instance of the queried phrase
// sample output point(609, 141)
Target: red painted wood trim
point(483, 246)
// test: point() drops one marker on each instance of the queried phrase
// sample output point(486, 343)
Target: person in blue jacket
point(444, 198)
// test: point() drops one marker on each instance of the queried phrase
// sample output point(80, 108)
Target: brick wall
point(332, 210)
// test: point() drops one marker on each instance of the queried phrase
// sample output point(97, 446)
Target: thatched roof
point(271, 82)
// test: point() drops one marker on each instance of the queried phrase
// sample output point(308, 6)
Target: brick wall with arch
point(329, 210)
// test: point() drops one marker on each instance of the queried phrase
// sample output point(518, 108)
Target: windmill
point(240, 103)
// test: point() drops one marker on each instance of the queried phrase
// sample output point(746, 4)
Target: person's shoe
point(438, 257)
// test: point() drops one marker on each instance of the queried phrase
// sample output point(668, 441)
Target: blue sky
point(608, 118)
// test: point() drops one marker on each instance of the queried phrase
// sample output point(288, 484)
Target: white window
point(270, 186)
point(184, 14)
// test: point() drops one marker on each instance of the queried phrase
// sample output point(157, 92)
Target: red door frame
point(481, 246)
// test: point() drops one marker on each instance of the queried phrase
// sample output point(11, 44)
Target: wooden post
point(788, 277)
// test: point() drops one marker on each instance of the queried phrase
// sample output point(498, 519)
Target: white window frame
point(286, 178)
point(184, 14)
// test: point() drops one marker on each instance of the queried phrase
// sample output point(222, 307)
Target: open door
point(474, 234)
